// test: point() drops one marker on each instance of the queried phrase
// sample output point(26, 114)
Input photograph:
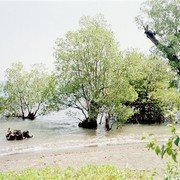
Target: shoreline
point(133, 156)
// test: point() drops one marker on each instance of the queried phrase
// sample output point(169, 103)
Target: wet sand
point(134, 156)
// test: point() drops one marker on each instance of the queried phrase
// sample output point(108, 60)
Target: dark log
point(26, 134)
point(10, 136)
point(18, 134)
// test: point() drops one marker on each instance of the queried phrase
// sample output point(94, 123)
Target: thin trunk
point(37, 109)
point(21, 105)
point(81, 109)
point(107, 122)
point(26, 104)
point(101, 118)
point(93, 111)
point(91, 121)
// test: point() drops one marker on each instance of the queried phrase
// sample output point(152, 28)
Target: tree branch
point(21, 105)
point(167, 50)
point(81, 109)
point(37, 108)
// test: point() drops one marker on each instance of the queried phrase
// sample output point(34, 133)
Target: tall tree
point(160, 20)
point(26, 93)
point(88, 74)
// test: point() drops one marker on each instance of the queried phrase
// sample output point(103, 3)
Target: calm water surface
point(61, 131)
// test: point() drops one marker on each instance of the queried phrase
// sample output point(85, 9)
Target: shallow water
point(61, 131)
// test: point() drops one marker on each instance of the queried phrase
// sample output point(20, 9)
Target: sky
point(29, 29)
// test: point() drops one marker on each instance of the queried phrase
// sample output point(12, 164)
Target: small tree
point(26, 94)
point(150, 76)
point(160, 20)
point(88, 74)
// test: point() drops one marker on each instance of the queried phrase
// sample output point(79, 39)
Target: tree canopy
point(93, 76)
point(160, 20)
point(150, 77)
point(96, 78)
point(88, 73)
point(26, 93)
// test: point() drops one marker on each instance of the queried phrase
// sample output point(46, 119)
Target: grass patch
point(89, 172)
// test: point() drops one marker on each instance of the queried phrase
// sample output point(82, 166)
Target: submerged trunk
point(107, 122)
point(30, 116)
point(88, 124)
point(91, 121)
point(149, 110)
point(149, 113)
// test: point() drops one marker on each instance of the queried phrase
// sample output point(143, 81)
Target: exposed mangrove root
point(88, 124)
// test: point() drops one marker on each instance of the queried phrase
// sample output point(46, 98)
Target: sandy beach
point(134, 156)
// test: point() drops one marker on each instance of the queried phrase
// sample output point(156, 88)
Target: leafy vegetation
point(26, 93)
point(150, 77)
point(171, 148)
point(89, 76)
point(94, 77)
point(1, 104)
point(88, 172)
point(1, 98)
point(160, 20)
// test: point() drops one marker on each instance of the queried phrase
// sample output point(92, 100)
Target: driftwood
point(17, 135)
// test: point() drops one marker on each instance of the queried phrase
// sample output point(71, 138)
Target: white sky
point(28, 30)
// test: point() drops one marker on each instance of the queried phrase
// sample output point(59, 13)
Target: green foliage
point(26, 92)
point(169, 100)
point(171, 148)
point(89, 172)
point(94, 77)
point(1, 98)
point(150, 77)
point(1, 104)
point(87, 67)
point(171, 171)
point(163, 17)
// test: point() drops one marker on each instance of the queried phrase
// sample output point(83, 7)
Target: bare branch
point(37, 108)
point(81, 109)
point(21, 104)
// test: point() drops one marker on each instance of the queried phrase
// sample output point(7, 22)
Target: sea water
point(60, 131)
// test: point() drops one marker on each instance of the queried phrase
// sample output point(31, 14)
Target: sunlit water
point(61, 131)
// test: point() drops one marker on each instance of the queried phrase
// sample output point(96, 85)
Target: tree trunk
point(167, 50)
point(149, 113)
point(30, 116)
point(91, 121)
point(107, 122)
